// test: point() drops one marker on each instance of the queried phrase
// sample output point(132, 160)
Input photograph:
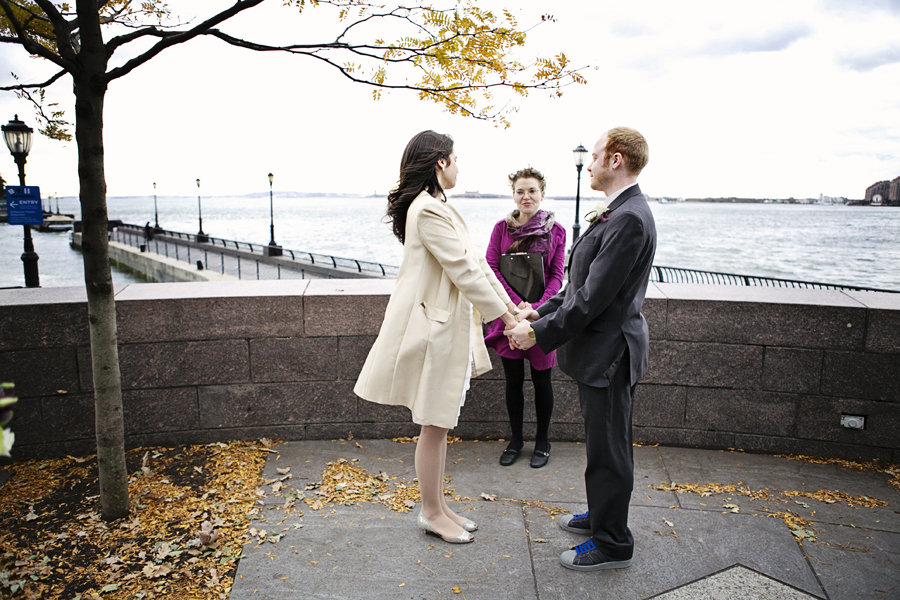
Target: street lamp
point(201, 237)
point(155, 211)
point(18, 139)
point(272, 249)
point(580, 154)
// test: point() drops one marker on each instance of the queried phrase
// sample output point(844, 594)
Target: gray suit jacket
point(598, 313)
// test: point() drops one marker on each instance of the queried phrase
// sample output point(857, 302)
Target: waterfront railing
point(249, 261)
point(661, 274)
point(244, 259)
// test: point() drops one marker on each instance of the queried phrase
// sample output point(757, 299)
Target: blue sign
point(23, 205)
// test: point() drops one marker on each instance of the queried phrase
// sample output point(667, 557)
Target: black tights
point(514, 369)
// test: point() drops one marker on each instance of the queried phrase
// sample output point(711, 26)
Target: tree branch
point(25, 86)
point(29, 44)
point(61, 30)
point(170, 39)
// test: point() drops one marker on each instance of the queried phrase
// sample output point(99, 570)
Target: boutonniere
point(598, 211)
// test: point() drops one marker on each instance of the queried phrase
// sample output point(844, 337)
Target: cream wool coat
point(421, 354)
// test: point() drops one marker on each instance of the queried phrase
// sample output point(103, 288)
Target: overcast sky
point(752, 99)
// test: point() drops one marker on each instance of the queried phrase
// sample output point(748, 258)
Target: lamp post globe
point(580, 155)
point(272, 249)
point(201, 237)
point(17, 136)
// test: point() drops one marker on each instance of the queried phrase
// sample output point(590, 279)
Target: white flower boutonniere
point(598, 211)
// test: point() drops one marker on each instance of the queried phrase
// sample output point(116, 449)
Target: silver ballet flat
point(464, 538)
point(470, 526)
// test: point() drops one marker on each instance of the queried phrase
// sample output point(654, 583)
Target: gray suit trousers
point(609, 475)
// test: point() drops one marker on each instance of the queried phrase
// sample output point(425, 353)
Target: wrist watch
point(531, 333)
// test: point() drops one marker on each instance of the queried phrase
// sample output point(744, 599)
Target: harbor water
point(850, 245)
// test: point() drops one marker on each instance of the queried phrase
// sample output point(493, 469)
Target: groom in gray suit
point(595, 322)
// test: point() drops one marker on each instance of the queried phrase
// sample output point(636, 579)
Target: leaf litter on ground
point(182, 539)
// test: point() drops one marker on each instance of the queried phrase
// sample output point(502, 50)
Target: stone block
point(294, 359)
point(176, 364)
point(883, 334)
point(566, 406)
point(788, 445)
point(40, 372)
point(792, 370)
point(43, 326)
point(486, 401)
point(83, 447)
point(569, 432)
point(883, 329)
point(252, 405)
point(704, 364)
point(654, 311)
point(68, 417)
point(770, 316)
point(361, 431)
point(180, 319)
point(819, 418)
point(345, 306)
point(482, 430)
point(861, 375)
point(658, 405)
point(352, 353)
point(27, 423)
point(372, 412)
point(748, 411)
point(690, 438)
point(167, 409)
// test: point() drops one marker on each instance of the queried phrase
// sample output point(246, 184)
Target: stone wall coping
point(758, 294)
point(876, 300)
point(213, 289)
point(384, 287)
point(350, 287)
point(40, 296)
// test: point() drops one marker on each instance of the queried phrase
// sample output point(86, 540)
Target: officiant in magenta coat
point(528, 228)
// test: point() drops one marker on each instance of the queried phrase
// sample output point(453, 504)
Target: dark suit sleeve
point(609, 270)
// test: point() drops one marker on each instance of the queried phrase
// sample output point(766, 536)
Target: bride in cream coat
point(430, 342)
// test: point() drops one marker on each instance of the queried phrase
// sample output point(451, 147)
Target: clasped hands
point(519, 333)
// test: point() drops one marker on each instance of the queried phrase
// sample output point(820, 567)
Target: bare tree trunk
point(90, 91)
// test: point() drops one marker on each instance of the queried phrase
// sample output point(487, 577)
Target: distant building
point(877, 193)
point(893, 198)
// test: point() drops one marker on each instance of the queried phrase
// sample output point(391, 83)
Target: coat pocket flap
point(436, 314)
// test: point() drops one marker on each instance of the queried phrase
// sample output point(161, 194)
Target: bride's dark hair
point(417, 173)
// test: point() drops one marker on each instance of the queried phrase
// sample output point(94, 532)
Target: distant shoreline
point(477, 195)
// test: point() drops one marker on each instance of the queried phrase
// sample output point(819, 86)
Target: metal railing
point(234, 257)
point(661, 274)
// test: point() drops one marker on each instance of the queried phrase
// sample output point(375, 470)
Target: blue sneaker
point(587, 557)
point(577, 524)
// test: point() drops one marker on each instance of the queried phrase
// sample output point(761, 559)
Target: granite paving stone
point(687, 546)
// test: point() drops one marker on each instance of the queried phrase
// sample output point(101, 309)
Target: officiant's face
point(528, 196)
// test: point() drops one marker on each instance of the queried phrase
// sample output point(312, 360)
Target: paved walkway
point(725, 545)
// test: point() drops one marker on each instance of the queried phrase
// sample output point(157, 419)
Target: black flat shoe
point(540, 457)
point(509, 456)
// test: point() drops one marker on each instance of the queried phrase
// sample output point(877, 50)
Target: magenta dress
point(554, 267)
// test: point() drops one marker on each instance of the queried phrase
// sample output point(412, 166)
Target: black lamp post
point(155, 210)
point(201, 237)
point(580, 153)
point(272, 249)
point(18, 139)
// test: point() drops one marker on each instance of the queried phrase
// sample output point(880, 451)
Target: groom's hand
point(521, 336)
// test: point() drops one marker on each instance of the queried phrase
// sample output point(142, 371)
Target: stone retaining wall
point(762, 369)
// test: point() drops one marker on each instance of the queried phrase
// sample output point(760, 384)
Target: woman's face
point(447, 170)
point(527, 195)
